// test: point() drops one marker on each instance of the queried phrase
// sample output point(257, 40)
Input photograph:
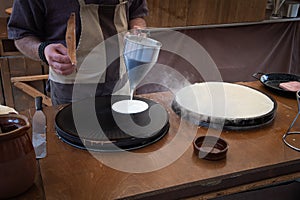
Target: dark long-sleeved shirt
point(47, 19)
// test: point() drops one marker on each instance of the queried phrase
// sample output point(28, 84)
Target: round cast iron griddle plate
point(272, 81)
point(237, 124)
point(152, 124)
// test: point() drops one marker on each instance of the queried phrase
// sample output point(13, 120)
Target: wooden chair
point(15, 74)
point(20, 83)
point(19, 75)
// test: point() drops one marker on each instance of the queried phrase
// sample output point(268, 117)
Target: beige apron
point(99, 63)
point(100, 46)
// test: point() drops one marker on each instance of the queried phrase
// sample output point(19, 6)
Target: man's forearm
point(29, 47)
point(137, 22)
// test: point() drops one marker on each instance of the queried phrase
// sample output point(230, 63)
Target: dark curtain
point(238, 52)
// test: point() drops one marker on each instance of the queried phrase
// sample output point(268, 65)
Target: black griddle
point(106, 130)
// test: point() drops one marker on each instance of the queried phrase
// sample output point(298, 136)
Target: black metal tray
point(113, 131)
point(272, 80)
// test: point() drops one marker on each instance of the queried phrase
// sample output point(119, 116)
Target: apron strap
point(82, 2)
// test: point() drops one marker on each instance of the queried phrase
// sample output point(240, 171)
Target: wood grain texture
point(172, 13)
point(33, 92)
point(71, 38)
point(3, 27)
point(70, 173)
point(22, 66)
point(7, 46)
point(247, 187)
point(29, 78)
point(5, 78)
point(167, 13)
point(14, 68)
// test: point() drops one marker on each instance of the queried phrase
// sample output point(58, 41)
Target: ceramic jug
point(17, 157)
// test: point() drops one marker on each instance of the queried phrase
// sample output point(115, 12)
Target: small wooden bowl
point(210, 148)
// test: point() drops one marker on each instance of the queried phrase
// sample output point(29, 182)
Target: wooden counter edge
point(248, 187)
point(260, 177)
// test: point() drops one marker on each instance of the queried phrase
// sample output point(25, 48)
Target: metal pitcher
point(140, 54)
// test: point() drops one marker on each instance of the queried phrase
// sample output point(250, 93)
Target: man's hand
point(56, 54)
point(137, 23)
point(137, 27)
point(58, 59)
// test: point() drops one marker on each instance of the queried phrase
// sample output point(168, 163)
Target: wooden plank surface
point(16, 68)
point(3, 28)
point(29, 78)
point(20, 66)
point(172, 13)
point(2, 101)
point(7, 87)
point(70, 173)
point(251, 186)
point(7, 46)
point(167, 13)
point(31, 91)
point(225, 11)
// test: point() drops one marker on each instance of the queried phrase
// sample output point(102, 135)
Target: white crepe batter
point(224, 100)
point(130, 106)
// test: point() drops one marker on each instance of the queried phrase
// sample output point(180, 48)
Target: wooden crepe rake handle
point(71, 38)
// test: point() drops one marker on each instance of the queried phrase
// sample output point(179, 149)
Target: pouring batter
point(38, 28)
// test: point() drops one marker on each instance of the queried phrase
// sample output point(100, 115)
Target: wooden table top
point(253, 155)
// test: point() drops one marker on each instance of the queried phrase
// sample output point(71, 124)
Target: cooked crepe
point(224, 100)
point(6, 110)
